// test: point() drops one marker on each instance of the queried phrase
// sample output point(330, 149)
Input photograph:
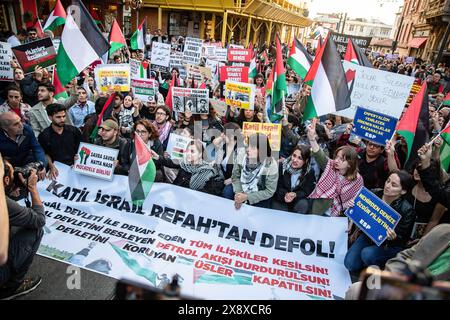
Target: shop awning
point(417, 42)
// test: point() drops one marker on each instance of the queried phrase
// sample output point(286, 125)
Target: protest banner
point(376, 90)
point(144, 89)
point(176, 61)
point(96, 161)
point(6, 70)
point(239, 55)
point(197, 73)
point(391, 56)
point(240, 95)
point(36, 53)
point(373, 126)
point(409, 60)
point(190, 99)
point(160, 60)
point(192, 51)
point(238, 74)
point(176, 146)
point(220, 106)
point(217, 254)
point(116, 76)
point(373, 216)
point(341, 41)
point(272, 131)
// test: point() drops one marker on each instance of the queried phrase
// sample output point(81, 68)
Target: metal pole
point(443, 43)
point(394, 44)
point(343, 23)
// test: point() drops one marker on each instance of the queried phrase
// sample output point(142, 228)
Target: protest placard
point(208, 51)
point(116, 76)
point(391, 56)
point(239, 55)
point(221, 54)
point(341, 41)
point(219, 106)
point(373, 126)
point(197, 73)
point(409, 60)
point(136, 70)
point(176, 61)
point(238, 74)
point(192, 51)
point(373, 216)
point(36, 53)
point(255, 253)
point(96, 161)
point(272, 131)
point(190, 99)
point(176, 146)
point(377, 90)
point(6, 70)
point(160, 59)
point(144, 89)
point(240, 95)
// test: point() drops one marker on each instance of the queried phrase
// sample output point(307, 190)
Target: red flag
point(38, 27)
point(169, 101)
point(350, 54)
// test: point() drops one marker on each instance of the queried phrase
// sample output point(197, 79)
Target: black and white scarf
point(287, 166)
point(200, 174)
point(250, 175)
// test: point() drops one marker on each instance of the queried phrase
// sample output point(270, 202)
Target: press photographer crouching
point(26, 230)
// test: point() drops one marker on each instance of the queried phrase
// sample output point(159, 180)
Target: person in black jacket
point(196, 174)
point(364, 252)
point(296, 181)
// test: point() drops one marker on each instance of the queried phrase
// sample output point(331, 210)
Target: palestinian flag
point(252, 71)
point(82, 43)
point(413, 126)
point(104, 115)
point(38, 27)
point(56, 18)
point(116, 38)
point(60, 91)
point(446, 101)
point(362, 58)
point(445, 149)
point(350, 54)
point(299, 59)
point(169, 101)
point(138, 37)
point(279, 87)
point(142, 172)
point(326, 77)
point(319, 45)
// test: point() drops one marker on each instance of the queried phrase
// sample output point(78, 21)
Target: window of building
point(351, 27)
point(361, 29)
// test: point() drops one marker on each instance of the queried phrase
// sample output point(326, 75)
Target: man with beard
point(60, 141)
point(149, 108)
point(38, 116)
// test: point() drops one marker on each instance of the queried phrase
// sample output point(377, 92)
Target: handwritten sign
point(96, 161)
point(374, 126)
point(6, 71)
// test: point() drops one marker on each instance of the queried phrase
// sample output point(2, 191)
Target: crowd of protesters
point(318, 159)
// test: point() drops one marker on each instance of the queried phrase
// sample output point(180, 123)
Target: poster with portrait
point(190, 99)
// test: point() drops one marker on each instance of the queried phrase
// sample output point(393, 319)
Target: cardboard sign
point(192, 51)
point(341, 41)
point(176, 146)
point(374, 126)
point(144, 89)
point(116, 76)
point(272, 131)
point(189, 99)
point(238, 74)
point(96, 161)
point(197, 72)
point(37, 53)
point(373, 216)
point(377, 90)
point(6, 71)
point(239, 55)
point(160, 58)
point(240, 95)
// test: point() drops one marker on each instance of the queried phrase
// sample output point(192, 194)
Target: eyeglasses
point(160, 114)
point(328, 123)
point(373, 145)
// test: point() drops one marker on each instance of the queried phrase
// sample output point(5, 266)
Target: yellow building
point(241, 21)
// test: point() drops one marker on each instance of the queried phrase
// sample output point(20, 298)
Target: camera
point(26, 170)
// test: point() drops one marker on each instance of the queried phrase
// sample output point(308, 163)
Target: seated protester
point(430, 254)
point(183, 120)
point(126, 116)
point(209, 125)
point(340, 180)
point(364, 252)
point(18, 143)
point(148, 109)
point(38, 116)
point(26, 232)
point(148, 133)
point(428, 210)
point(90, 122)
point(109, 137)
point(81, 109)
point(255, 173)
point(196, 174)
point(430, 178)
point(170, 166)
point(296, 182)
point(14, 103)
point(228, 146)
point(60, 141)
point(163, 124)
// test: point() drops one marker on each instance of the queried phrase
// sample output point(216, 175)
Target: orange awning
point(417, 42)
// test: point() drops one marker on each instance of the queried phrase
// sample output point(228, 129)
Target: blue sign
point(373, 126)
point(373, 216)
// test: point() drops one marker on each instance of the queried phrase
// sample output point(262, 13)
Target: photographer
point(18, 143)
point(25, 237)
point(4, 220)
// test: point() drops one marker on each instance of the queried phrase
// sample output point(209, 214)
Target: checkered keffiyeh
point(331, 186)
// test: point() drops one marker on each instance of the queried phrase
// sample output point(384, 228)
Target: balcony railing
point(437, 8)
